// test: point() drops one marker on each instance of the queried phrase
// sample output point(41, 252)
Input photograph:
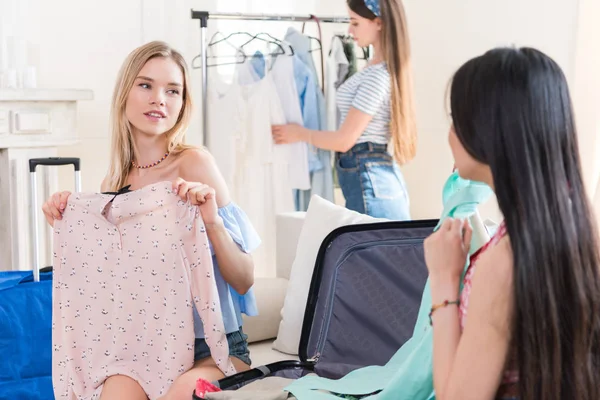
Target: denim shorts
point(372, 182)
point(238, 347)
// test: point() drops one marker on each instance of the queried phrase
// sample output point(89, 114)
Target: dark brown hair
point(511, 110)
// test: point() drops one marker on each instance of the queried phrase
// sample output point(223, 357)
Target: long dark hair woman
point(527, 323)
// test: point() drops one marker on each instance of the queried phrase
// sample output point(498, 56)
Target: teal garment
point(408, 375)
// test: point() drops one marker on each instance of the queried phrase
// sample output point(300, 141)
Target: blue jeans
point(372, 182)
point(238, 347)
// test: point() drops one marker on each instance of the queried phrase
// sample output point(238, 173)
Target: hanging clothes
point(307, 92)
point(301, 45)
point(282, 73)
point(335, 74)
point(321, 178)
point(240, 118)
point(129, 268)
point(350, 53)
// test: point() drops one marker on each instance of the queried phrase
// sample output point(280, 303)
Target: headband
point(373, 5)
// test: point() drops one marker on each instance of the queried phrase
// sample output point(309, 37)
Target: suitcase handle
point(54, 161)
point(262, 371)
point(33, 164)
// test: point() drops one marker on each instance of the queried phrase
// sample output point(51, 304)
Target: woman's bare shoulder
point(493, 284)
point(194, 157)
point(497, 263)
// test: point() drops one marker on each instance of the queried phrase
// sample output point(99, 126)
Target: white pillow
point(322, 217)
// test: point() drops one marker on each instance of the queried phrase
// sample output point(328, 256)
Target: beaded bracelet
point(446, 303)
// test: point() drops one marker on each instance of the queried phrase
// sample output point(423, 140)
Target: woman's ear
point(379, 23)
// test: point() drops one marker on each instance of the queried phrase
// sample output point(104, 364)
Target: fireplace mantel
point(33, 123)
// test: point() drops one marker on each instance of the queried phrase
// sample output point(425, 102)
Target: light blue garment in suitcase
point(409, 373)
point(25, 336)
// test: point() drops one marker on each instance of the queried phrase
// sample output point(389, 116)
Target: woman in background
point(377, 109)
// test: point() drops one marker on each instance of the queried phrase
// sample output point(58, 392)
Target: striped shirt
point(369, 92)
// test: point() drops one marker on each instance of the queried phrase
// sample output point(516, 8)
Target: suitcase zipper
point(314, 359)
point(345, 255)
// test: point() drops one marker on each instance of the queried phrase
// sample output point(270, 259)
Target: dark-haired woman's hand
point(447, 249)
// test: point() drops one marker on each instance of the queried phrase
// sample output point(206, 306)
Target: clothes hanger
point(318, 22)
point(278, 44)
point(320, 46)
point(214, 42)
point(365, 50)
point(239, 51)
point(226, 38)
point(273, 40)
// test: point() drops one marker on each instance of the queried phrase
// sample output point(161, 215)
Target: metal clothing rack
point(204, 16)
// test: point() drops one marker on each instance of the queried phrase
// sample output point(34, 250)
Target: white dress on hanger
point(282, 73)
point(256, 170)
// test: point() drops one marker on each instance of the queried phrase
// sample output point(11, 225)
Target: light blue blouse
point(233, 304)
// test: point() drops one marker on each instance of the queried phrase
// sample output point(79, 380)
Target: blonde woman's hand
point(201, 195)
point(54, 207)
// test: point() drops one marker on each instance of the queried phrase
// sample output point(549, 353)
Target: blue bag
point(25, 336)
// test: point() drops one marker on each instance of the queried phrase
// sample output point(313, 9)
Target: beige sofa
point(270, 294)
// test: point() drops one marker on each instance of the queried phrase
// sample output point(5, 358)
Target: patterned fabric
point(129, 269)
point(373, 5)
point(468, 279)
point(511, 376)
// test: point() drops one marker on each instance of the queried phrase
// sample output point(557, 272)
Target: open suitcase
point(26, 314)
point(363, 302)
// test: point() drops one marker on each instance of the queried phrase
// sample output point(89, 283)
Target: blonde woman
point(151, 112)
point(376, 107)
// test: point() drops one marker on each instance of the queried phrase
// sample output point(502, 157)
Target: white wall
point(82, 45)
point(445, 37)
point(586, 95)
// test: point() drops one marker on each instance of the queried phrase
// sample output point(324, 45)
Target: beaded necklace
point(152, 164)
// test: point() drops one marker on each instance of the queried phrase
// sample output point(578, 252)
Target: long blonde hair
point(122, 141)
point(395, 43)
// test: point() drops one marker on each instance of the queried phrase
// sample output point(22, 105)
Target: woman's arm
point(341, 140)
point(236, 266)
point(471, 365)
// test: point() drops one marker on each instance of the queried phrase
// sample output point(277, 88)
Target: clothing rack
point(204, 16)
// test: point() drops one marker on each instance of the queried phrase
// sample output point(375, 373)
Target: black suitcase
point(363, 302)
